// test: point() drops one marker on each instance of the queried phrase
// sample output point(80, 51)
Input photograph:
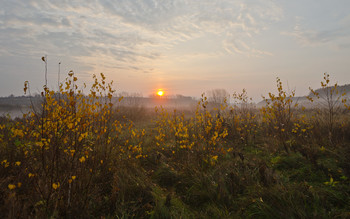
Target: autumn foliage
point(77, 156)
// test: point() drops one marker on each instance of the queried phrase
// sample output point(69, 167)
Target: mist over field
point(15, 106)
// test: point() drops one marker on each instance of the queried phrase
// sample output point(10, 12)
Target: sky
point(181, 46)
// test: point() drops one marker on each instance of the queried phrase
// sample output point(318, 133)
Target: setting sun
point(160, 93)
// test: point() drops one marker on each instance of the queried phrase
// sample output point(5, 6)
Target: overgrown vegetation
point(79, 156)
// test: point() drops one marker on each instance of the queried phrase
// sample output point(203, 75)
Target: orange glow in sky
point(160, 93)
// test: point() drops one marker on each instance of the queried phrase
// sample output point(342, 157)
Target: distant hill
point(341, 88)
point(13, 101)
point(16, 106)
point(302, 100)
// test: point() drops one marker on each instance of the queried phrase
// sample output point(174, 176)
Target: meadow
point(80, 155)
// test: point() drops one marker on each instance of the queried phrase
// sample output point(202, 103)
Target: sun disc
point(160, 93)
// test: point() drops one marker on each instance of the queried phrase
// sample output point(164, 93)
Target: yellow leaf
point(11, 186)
point(82, 159)
point(55, 185)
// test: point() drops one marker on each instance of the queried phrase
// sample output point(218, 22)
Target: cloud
point(130, 31)
point(334, 35)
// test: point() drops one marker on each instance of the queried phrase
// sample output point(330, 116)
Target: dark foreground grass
point(260, 185)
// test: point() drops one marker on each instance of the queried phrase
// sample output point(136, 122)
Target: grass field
point(80, 156)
